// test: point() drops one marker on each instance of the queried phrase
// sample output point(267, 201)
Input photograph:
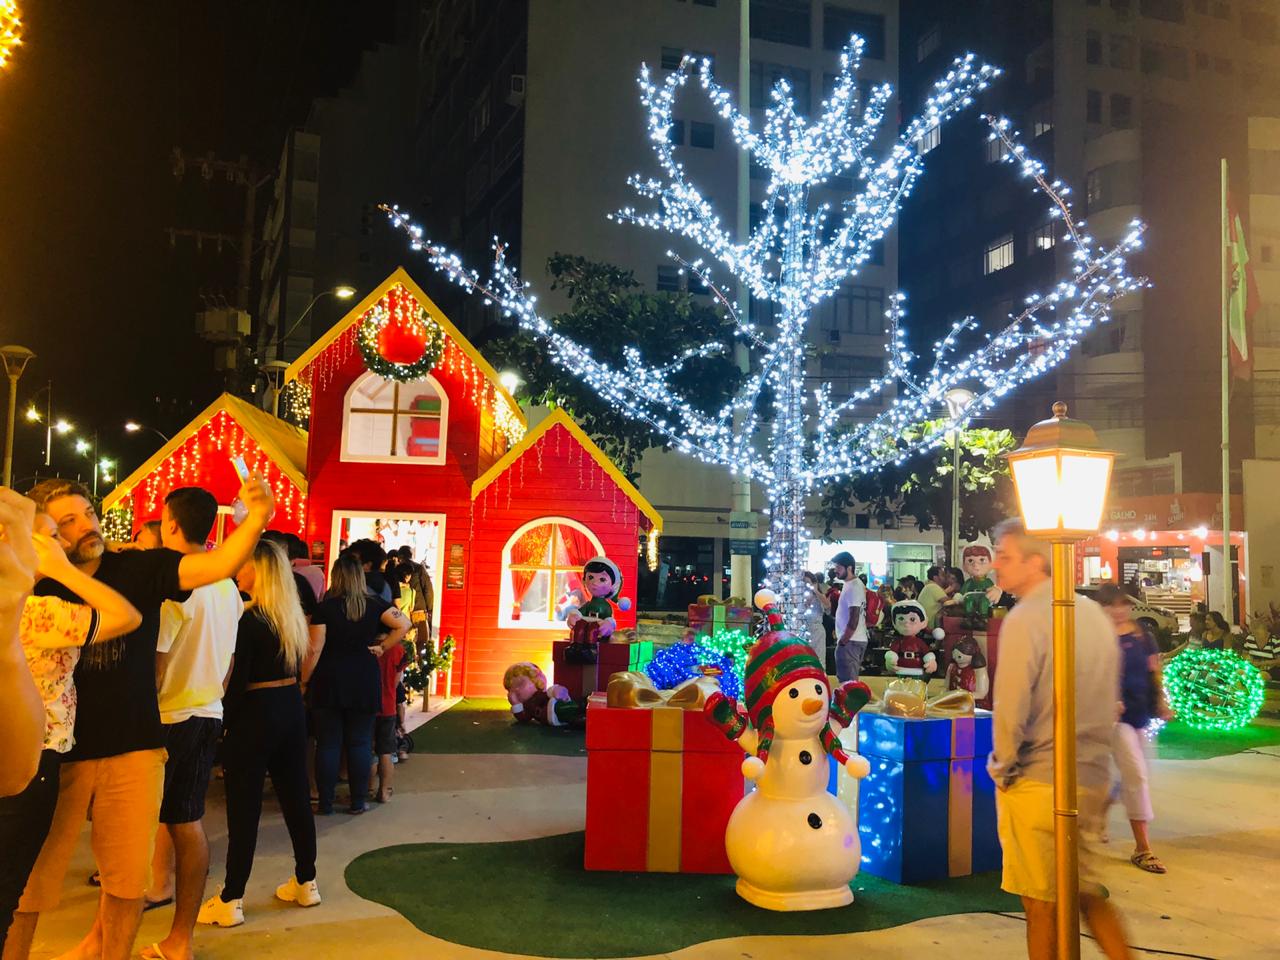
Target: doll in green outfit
point(592, 620)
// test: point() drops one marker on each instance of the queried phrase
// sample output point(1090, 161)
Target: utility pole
point(226, 326)
point(15, 360)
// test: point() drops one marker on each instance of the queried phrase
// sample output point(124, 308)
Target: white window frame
point(403, 459)
point(506, 597)
point(931, 139)
point(999, 255)
point(1043, 237)
point(996, 150)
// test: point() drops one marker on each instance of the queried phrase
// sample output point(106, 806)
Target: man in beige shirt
point(1021, 761)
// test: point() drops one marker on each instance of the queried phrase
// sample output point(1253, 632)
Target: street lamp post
point(342, 292)
point(133, 426)
point(1061, 476)
point(957, 400)
point(15, 359)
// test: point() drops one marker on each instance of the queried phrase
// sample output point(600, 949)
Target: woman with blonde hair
point(350, 629)
point(266, 732)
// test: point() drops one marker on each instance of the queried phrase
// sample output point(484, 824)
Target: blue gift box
point(927, 810)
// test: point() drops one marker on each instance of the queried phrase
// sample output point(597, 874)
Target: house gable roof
point(284, 443)
point(558, 417)
point(356, 313)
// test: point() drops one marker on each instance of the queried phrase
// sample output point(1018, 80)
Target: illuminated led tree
point(802, 250)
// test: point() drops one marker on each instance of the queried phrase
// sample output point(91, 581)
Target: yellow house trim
point(400, 276)
point(558, 416)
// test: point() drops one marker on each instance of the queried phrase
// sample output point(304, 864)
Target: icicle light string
point(797, 256)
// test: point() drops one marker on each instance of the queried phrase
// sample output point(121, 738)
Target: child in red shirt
point(391, 666)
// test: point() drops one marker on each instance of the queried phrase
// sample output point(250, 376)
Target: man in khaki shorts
point(117, 763)
point(1021, 761)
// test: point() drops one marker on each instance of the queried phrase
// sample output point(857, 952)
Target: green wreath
point(367, 337)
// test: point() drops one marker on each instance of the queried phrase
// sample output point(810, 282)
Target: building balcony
point(1103, 370)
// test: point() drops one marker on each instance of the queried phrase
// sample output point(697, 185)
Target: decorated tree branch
point(773, 430)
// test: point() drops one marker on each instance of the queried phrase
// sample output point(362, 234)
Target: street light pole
point(342, 292)
point(15, 359)
point(1061, 476)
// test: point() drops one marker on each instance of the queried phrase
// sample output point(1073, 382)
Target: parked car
point(1155, 619)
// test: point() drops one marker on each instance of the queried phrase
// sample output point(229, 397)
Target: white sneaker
point(220, 913)
point(303, 894)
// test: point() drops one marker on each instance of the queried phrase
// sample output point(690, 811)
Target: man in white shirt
point(194, 650)
point(851, 622)
point(1021, 761)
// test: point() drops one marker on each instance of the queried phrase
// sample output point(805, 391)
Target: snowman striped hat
point(775, 661)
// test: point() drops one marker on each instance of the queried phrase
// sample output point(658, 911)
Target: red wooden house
point(502, 516)
point(200, 455)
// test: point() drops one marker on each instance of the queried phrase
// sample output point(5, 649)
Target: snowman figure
point(793, 845)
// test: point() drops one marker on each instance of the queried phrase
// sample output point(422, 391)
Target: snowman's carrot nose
point(811, 707)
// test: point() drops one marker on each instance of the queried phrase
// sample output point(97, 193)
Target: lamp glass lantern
point(1061, 475)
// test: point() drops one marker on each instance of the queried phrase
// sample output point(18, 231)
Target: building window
point(702, 135)
point(390, 422)
point(999, 254)
point(1168, 61)
point(765, 76)
point(1168, 10)
point(839, 24)
point(676, 133)
point(857, 309)
point(1121, 111)
point(705, 3)
point(671, 57)
point(996, 150)
point(1041, 119)
point(930, 139)
point(480, 115)
point(542, 572)
point(1093, 190)
point(1093, 106)
point(781, 21)
point(1043, 238)
point(1093, 47)
point(847, 374)
point(1121, 51)
point(668, 279)
point(928, 42)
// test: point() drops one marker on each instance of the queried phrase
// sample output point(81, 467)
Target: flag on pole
point(1243, 291)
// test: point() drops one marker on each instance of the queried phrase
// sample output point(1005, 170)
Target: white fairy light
point(798, 255)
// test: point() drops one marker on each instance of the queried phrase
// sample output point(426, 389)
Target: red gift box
point(711, 618)
point(661, 784)
point(584, 679)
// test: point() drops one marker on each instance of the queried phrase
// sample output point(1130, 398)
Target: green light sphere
point(1213, 689)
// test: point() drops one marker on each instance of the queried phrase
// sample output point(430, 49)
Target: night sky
point(90, 108)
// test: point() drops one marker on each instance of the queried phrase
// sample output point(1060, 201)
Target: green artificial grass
point(486, 726)
point(534, 897)
point(1178, 741)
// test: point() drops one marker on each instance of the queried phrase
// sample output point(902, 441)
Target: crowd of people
point(129, 670)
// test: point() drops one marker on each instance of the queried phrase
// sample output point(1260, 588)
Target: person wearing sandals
point(1142, 700)
point(266, 733)
point(343, 678)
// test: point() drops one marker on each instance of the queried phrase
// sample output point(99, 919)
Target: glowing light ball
point(1214, 689)
point(10, 30)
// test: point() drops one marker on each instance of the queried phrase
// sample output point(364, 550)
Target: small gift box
point(710, 616)
point(584, 679)
point(662, 780)
point(927, 809)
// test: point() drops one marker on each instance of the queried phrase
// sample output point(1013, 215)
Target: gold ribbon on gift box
point(709, 600)
point(629, 690)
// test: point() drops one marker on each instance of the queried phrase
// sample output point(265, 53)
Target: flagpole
point(1224, 257)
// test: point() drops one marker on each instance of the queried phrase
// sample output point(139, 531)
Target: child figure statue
point(910, 654)
point(590, 612)
point(979, 590)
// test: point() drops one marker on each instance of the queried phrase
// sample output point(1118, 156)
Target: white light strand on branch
point(798, 255)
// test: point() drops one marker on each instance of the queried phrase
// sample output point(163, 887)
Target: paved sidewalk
point(1217, 831)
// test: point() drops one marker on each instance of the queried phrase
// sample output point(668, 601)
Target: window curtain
point(573, 549)
point(532, 548)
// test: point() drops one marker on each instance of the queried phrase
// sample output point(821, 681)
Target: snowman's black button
point(815, 821)
point(806, 757)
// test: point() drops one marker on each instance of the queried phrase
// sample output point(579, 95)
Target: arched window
point(541, 566)
point(389, 422)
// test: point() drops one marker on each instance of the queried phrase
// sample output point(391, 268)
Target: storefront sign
point(454, 577)
point(744, 548)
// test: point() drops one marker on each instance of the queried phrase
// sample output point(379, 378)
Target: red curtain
point(531, 548)
point(573, 549)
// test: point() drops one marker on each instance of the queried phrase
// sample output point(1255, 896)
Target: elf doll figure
point(979, 590)
point(592, 620)
point(911, 654)
point(968, 669)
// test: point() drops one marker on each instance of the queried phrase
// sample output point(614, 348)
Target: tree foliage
point(609, 310)
point(920, 487)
